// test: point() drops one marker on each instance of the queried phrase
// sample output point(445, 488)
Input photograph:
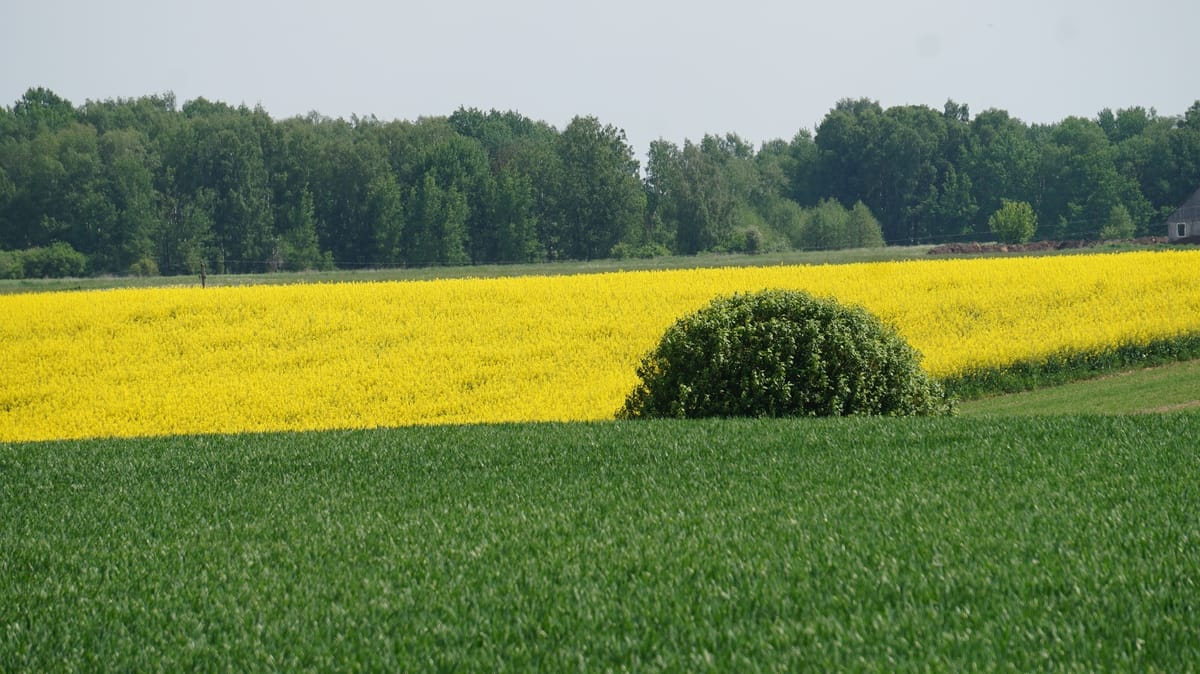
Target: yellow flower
point(260, 358)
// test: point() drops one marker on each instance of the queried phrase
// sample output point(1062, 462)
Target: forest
point(149, 186)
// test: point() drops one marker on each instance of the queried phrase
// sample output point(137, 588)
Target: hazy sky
point(673, 69)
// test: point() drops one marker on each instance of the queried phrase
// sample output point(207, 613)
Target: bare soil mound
point(1039, 246)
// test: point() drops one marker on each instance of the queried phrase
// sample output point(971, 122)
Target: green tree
point(862, 229)
point(781, 353)
point(948, 209)
point(899, 163)
point(57, 260)
point(8, 124)
point(536, 157)
point(129, 163)
point(153, 116)
point(292, 171)
point(297, 247)
point(12, 264)
point(513, 218)
point(224, 150)
point(1014, 222)
point(848, 152)
point(40, 111)
point(711, 195)
point(358, 201)
point(1080, 179)
point(460, 164)
point(8, 191)
point(916, 194)
point(1184, 151)
point(661, 183)
point(801, 169)
point(599, 200)
point(59, 191)
point(1002, 161)
point(32, 172)
point(437, 226)
point(1125, 123)
point(1119, 224)
point(705, 202)
point(825, 226)
point(384, 211)
point(185, 240)
point(788, 220)
point(1145, 161)
point(501, 134)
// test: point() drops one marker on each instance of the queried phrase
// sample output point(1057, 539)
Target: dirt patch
point(1042, 246)
point(1135, 370)
point(1177, 407)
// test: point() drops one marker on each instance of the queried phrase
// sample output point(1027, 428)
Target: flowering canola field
point(298, 357)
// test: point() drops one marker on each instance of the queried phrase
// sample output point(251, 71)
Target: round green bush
point(782, 353)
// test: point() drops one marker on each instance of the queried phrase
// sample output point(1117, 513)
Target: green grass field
point(888, 253)
point(1068, 543)
point(1166, 388)
point(884, 254)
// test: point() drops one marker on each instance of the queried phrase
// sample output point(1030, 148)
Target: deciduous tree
point(1014, 222)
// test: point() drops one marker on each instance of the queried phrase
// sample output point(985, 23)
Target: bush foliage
point(1015, 222)
point(58, 260)
point(1068, 366)
point(782, 353)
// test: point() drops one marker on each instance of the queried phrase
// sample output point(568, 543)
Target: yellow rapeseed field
point(175, 361)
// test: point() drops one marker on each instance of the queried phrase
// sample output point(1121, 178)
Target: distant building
point(1185, 222)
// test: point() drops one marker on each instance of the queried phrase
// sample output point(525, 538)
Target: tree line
point(148, 186)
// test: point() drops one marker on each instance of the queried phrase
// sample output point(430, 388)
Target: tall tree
point(185, 238)
point(437, 227)
point(129, 164)
point(221, 149)
point(1081, 184)
point(862, 229)
point(1002, 161)
point(41, 111)
point(297, 246)
point(1184, 143)
point(850, 157)
point(460, 164)
point(513, 219)
point(692, 194)
point(355, 194)
point(296, 243)
point(36, 176)
point(660, 224)
point(600, 200)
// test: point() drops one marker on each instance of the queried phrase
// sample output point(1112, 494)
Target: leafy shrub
point(57, 260)
point(628, 251)
point(145, 266)
point(1071, 365)
point(862, 229)
point(1119, 224)
point(11, 265)
point(782, 353)
point(831, 226)
point(1014, 222)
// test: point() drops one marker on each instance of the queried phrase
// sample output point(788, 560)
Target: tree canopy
point(147, 185)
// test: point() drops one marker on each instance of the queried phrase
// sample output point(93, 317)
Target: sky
point(671, 69)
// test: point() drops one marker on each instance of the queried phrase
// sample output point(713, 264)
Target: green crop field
point(1056, 529)
point(1066, 543)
